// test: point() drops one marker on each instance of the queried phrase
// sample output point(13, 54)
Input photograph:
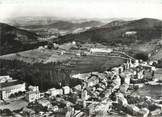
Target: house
point(100, 50)
point(11, 87)
point(116, 82)
point(136, 63)
point(55, 92)
point(92, 81)
point(28, 111)
point(40, 47)
point(5, 78)
point(82, 76)
point(74, 43)
point(115, 70)
point(148, 67)
point(66, 90)
point(129, 33)
point(139, 74)
point(126, 76)
point(77, 88)
point(33, 94)
point(121, 69)
point(44, 102)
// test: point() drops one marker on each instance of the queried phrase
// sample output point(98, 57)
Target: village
point(99, 94)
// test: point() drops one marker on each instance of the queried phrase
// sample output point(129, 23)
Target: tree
point(1, 111)
point(7, 112)
point(143, 56)
point(12, 96)
point(16, 94)
point(159, 64)
point(50, 45)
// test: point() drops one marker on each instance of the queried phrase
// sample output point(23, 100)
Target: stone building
point(33, 94)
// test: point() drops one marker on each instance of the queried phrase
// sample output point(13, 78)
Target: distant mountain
point(65, 25)
point(146, 23)
point(115, 23)
point(90, 24)
point(110, 34)
point(13, 39)
point(59, 27)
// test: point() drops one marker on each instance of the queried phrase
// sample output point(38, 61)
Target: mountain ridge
point(146, 29)
point(65, 25)
point(13, 39)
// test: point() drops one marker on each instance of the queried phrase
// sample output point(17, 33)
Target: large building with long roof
point(10, 87)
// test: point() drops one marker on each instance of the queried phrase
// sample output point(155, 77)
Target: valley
point(109, 69)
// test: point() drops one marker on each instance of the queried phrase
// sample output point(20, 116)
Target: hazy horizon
point(81, 8)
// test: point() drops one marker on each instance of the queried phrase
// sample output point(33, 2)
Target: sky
point(82, 8)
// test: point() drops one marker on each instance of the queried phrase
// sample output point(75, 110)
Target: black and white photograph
point(80, 58)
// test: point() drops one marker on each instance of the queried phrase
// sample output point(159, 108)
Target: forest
point(44, 75)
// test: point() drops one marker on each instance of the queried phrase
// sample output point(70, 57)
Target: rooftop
point(7, 77)
point(12, 83)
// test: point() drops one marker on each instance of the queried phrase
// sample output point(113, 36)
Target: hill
point(64, 25)
point(53, 28)
point(115, 23)
point(145, 29)
point(13, 39)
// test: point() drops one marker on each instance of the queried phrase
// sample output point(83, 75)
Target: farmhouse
point(55, 92)
point(5, 78)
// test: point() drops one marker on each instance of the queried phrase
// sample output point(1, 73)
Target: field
point(38, 56)
point(93, 63)
point(77, 64)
